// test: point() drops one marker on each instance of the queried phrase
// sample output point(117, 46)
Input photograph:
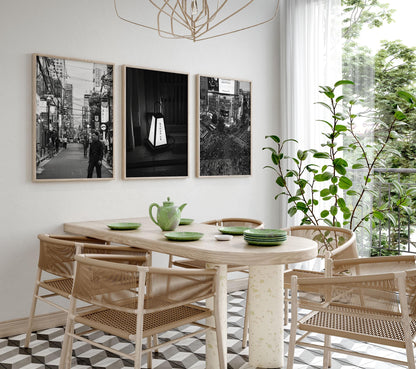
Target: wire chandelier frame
point(196, 20)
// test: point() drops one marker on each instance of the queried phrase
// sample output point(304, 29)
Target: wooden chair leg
point(149, 354)
point(155, 342)
point(293, 325)
point(222, 356)
point(327, 352)
point(245, 328)
point(66, 354)
point(33, 308)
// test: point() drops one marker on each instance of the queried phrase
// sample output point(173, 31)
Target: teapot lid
point(168, 202)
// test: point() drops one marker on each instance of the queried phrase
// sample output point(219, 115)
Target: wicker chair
point(192, 263)
point(377, 308)
point(128, 307)
point(56, 257)
point(333, 242)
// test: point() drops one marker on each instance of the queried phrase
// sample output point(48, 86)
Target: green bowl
point(123, 226)
point(185, 221)
point(183, 236)
point(233, 230)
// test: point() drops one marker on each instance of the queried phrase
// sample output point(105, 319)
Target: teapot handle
point(150, 212)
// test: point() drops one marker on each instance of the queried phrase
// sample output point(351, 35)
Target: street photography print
point(155, 124)
point(224, 144)
point(72, 119)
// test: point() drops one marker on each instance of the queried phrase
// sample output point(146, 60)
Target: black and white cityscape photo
point(224, 127)
point(73, 119)
point(155, 124)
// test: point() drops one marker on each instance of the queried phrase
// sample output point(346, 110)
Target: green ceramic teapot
point(168, 215)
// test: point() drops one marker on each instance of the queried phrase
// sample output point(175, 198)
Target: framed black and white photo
point(224, 126)
point(72, 119)
point(155, 127)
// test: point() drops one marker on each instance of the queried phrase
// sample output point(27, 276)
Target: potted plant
point(319, 185)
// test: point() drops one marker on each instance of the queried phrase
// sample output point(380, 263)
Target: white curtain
point(310, 56)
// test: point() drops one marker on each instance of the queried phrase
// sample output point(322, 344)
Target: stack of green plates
point(265, 237)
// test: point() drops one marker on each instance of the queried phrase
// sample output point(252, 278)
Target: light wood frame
point(48, 105)
point(141, 157)
point(213, 128)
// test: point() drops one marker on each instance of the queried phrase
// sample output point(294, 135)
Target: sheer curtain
point(310, 56)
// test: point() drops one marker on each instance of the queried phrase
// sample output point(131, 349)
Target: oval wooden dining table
point(266, 266)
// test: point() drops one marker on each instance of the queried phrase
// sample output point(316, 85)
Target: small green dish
point(185, 221)
point(265, 232)
point(183, 236)
point(123, 226)
point(264, 243)
point(233, 230)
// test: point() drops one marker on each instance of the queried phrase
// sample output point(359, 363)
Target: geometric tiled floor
point(45, 350)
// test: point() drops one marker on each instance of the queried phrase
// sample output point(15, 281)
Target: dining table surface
point(236, 251)
point(266, 267)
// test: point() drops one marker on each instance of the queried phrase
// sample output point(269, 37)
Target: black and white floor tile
point(44, 350)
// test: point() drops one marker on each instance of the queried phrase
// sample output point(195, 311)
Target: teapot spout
point(181, 207)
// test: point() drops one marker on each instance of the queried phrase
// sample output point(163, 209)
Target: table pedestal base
point(265, 300)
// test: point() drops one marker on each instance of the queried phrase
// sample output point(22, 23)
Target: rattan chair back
point(377, 308)
point(138, 302)
point(340, 242)
point(57, 258)
point(236, 222)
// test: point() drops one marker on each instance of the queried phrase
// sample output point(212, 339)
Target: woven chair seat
point(123, 324)
point(60, 286)
point(200, 264)
point(301, 273)
point(351, 323)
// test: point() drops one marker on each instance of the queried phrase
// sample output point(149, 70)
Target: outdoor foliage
point(318, 184)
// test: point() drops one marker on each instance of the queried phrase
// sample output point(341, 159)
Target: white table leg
point(266, 317)
point(211, 339)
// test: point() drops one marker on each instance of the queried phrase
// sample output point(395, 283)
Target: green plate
point(265, 232)
point(183, 236)
point(262, 239)
point(233, 230)
point(123, 226)
point(264, 243)
point(185, 221)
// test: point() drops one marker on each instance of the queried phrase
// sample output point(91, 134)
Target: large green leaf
point(378, 215)
point(321, 155)
point(399, 115)
point(274, 138)
point(333, 210)
point(281, 181)
point(292, 211)
point(323, 177)
point(345, 183)
point(343, 82)
point(340, 169)
point(406, 96)
point(341, 203)
point(333, 189)
point(325, 192)
point(324, 213)
point(302, 154)
point(340, 128)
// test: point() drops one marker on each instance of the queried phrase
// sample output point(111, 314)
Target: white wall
point(90, 30)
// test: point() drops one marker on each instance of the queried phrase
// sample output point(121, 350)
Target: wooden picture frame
point(155, 123)
point(72, 116)
point(224, 127)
